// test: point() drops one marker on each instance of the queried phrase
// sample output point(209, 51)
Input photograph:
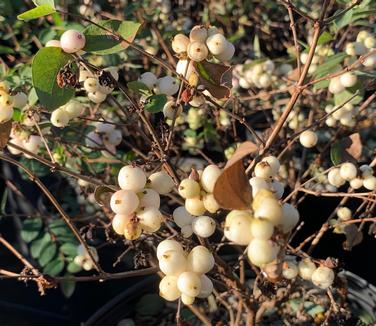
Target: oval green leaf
point(155, 103)
point(46, 65)
point(100, 41)
point(36, 12)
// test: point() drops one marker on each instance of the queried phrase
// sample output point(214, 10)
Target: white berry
point(72, 41)
point(167, 85)
point(161, 182)
point(172, 262)
point(131, 178)
point(150, 219)
point(168, 288)
point(200, 260)
point(197, 51)
point(149, 79)
point(306, 268)
point(124, 202)
point(189, 283)
point(308, 139)
point(348, 171)
point(261, 252)
point(203, 226)
point(167, 245)
point(323, 277)
point(180, 43)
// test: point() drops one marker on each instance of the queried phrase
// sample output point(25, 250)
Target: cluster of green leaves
point(54, 247)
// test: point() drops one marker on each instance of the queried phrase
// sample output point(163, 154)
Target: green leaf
point(36, 12)
point(47, 254)
point(102, 42)
point(69, 249)
point(336, 153)
point(45, 67)
point(329, 64)
point(256, 47)
point(39, 244)
point(321, 84)
point(67, 287)
point(36, 167)
point(138, 87)
point(344, 96)
point(30, 229)
point(155, 103)
point(50, 3)
point(324, 38)
point(73, 268)
point(54, 267)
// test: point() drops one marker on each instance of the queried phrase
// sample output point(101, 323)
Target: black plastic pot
point(362, 298)
point(123, 305)
point(362, 295)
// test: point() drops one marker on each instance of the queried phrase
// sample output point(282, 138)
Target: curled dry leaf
point(232, 189)
point(102, 195)
point(5, 129)
point(353, 236)
point(348, 149)
point(216, 78)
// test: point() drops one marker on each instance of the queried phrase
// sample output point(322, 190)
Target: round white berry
point(370, 61)
point(335, 179)
point(186, 299)
point(209, 177)
point(91, 84)
point(200, 260)
point(198, 34)
point(237, 227)
point(370, 183)
point(173, 262)
point(6, 114)
point(261, 229)
point(186, 231)
point(323, 277)
point(72, 41)
point(195, 206)
point(264, 170)
point(150, 219)
point(189, 188)
point(348, 171)
point(277, 188)
point(19, 100)
point(308, 139)
point(197, 51)
point(93, 140)
point(216, 43)
point(335, 86)
point(149, 79)
point(290, 217)
point(161, 182)
point(261, 252)
point(168, 288)
point(180, 43)
point(182, 217)
point(211, 205)
point(124, 202)
point(167, 245)
point(149, 198)
point(203, 226)
point(172, 110)
point(189, 283)
point(73, 109)
point(344, 213)
point(115, 137)
point(289, 270)
point(306, 268)
point(167, 85)
point(206, 287)
point(228, 52)
point(348, 79)
point(271, 210)
point(257, 184)
point(59, 118)
point(119, 222)
point(273, 163)
point(96, 97)
point(131, 178)
point(356, 183)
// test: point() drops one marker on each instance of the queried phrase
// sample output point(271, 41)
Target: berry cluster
point(136, 205)
point(29, 142)
point(321, 276)
point(344, 115)
point(362, 177)
point(364, 43)
point(340, 83)
point(164, 85)
point(320, 56)
point(105, 135)
point(98, 86)
point(257, 227)
point(203, 43)
point(61, 116)
point(260, 73)
point(203, 226)
point(83, 259)
point(6, 103)
point(185, 273)
point(197, 190)
point(71, 41)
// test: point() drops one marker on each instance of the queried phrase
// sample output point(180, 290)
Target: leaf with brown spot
point(102, 195)
point(348, 149)
point(5, 129)
point(216, 78)
point(232, 189)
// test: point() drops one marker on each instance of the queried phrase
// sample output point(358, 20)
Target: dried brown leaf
point(5, 129)
point(353, 236)
point(216, 78)
point(102, 195)
point(232, 189)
